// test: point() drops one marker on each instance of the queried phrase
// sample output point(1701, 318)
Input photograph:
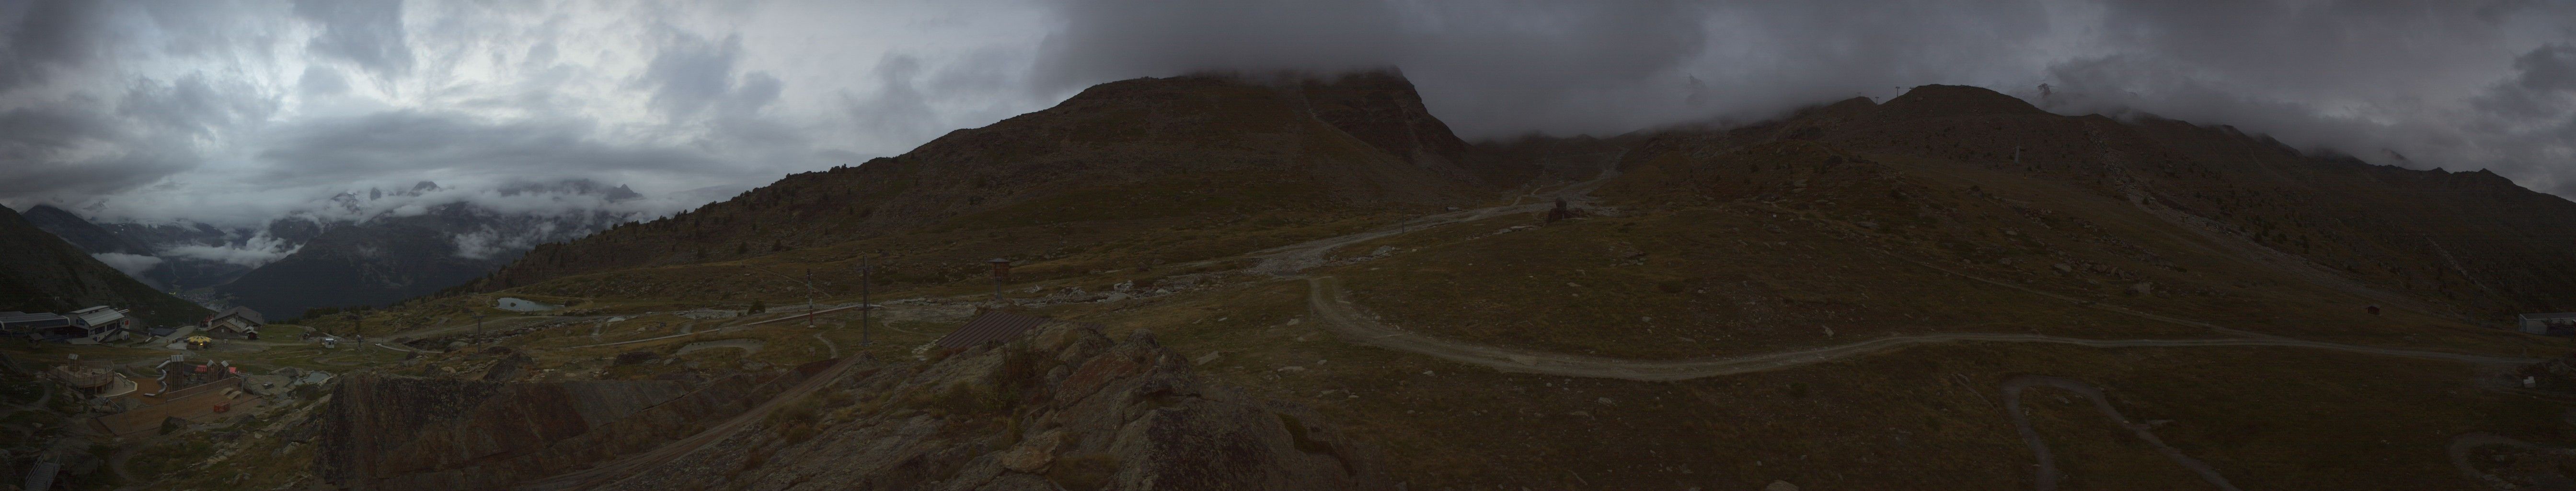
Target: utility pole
point(809, 291)
point(478, 327)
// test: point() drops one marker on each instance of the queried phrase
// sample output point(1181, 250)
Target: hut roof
point(243, 312)
point(100, 316)
point(31, 320)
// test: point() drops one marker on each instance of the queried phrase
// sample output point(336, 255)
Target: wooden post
point(1001, 272)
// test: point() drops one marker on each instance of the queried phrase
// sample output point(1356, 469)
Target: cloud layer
point(237, 112)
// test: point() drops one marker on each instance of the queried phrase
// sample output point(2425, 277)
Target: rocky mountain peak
point(1956, 100)
point(1382, 108)
point(1377, 106)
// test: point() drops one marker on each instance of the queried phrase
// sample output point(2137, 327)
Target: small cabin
point(2556, 324)
point(236, 320)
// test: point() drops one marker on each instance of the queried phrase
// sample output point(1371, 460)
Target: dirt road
point(2462, 444)
point(1292, 258)
point(488, 325)
point(1289, 259)
point(1324, 296)
point(2047, 477)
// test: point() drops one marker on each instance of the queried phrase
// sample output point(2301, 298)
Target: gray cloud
point(345, 149)
point(366, 32)
point(193, 106)
point(46, 36)
point(2547, 76)
point(59, 150)
point(131, 264)
point(321, 81)
point(1114, 39)
point(898, 107)
point(692, 72)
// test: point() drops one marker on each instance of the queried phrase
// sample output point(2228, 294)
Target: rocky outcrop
point(1062, 408)
point(405, 433)
point(1381, 108)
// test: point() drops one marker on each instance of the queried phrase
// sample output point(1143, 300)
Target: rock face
point(1062, 408)
point(403, 433)
point(1381, 108)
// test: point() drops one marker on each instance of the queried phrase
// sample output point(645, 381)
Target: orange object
point(224, 408)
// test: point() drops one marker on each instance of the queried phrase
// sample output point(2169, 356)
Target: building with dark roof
point(995, 325)
point(240, 320)
point(104, 324)
point(36, 324)
point(91, 325)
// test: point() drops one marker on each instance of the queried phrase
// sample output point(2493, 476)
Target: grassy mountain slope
point(1197, 149)
point(41, 273)
point(2471, 241)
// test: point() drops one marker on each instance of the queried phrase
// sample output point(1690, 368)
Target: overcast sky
point(232, 112)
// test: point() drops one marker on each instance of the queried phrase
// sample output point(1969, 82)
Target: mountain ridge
point(2246, 185)
point(42, 273)
point(1310, 145)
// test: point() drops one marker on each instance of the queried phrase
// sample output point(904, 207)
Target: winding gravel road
point(1289, 259)
point(1324, 295)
